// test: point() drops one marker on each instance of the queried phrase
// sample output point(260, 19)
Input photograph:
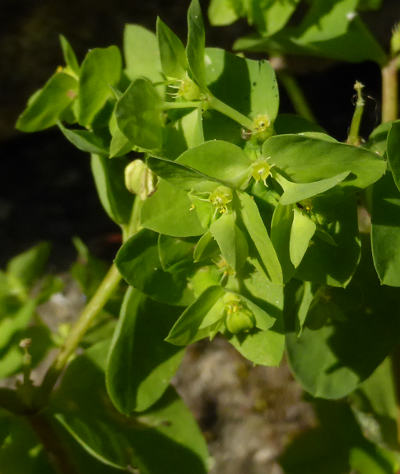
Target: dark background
point(47, 191)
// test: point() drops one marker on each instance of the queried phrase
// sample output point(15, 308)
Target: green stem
point(390, 92)
point(89, 313)
point(181, 105)
point(354, 133)
point(133, 225)
point(296, 95)
point(225, 109)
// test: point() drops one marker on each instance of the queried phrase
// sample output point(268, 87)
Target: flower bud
point(139, 179)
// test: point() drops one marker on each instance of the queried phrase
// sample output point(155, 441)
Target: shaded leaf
point(195, 322)
point(139, 263)
point(109, 179)
point(195, 48)
point(385, 233)
point(86, 140)
point(140, 364)
point(100, 70)
point(139, 115)
point(127, 442)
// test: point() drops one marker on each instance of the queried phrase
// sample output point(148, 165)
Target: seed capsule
point(238, 318)
point(139, 179)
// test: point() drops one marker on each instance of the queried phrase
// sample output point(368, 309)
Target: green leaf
point(140, 364)
point(260, 347)
point(247, 85)
point(15, 322)
point(100, 70)
point(172, 52)
point(86, 140)
point(160, 211)
point(369, 4)
point(335, 252)
point(29, 265)
point(295, 192)
point(268, 296)
point(191, 125)
point(127, 442)
point(330, 361)
point(20, 451)
point(142, 57)
point(195, 322)
point(177, 174)
point(305, 159)
point(327, 30)
point(175, 254)
point(380, 390)
point(385, 234)
point(220, 160)
point(195, 48)
point(340, 445)
point(231, 240)
point(302, 231)
point(393, 152)
point(258, 233)
point(109, 179)
point(139, 263)
point(378, 138)
point(375, 406)
point(224, 12)
point(139, 115)
point(46, 105)
point(69, 55)
point(291, 233)
point(119, 145)
point(272, 16)
point(206, 248)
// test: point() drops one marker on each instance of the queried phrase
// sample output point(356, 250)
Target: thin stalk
point(181, 105)
point(390, 91)
point(296, 95)
point(354, 133)
point(88, 315)
point(225, 109)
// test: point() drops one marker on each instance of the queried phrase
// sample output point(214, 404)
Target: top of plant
point(236, 219)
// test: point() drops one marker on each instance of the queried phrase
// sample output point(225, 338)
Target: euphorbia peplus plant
point(236, 221)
